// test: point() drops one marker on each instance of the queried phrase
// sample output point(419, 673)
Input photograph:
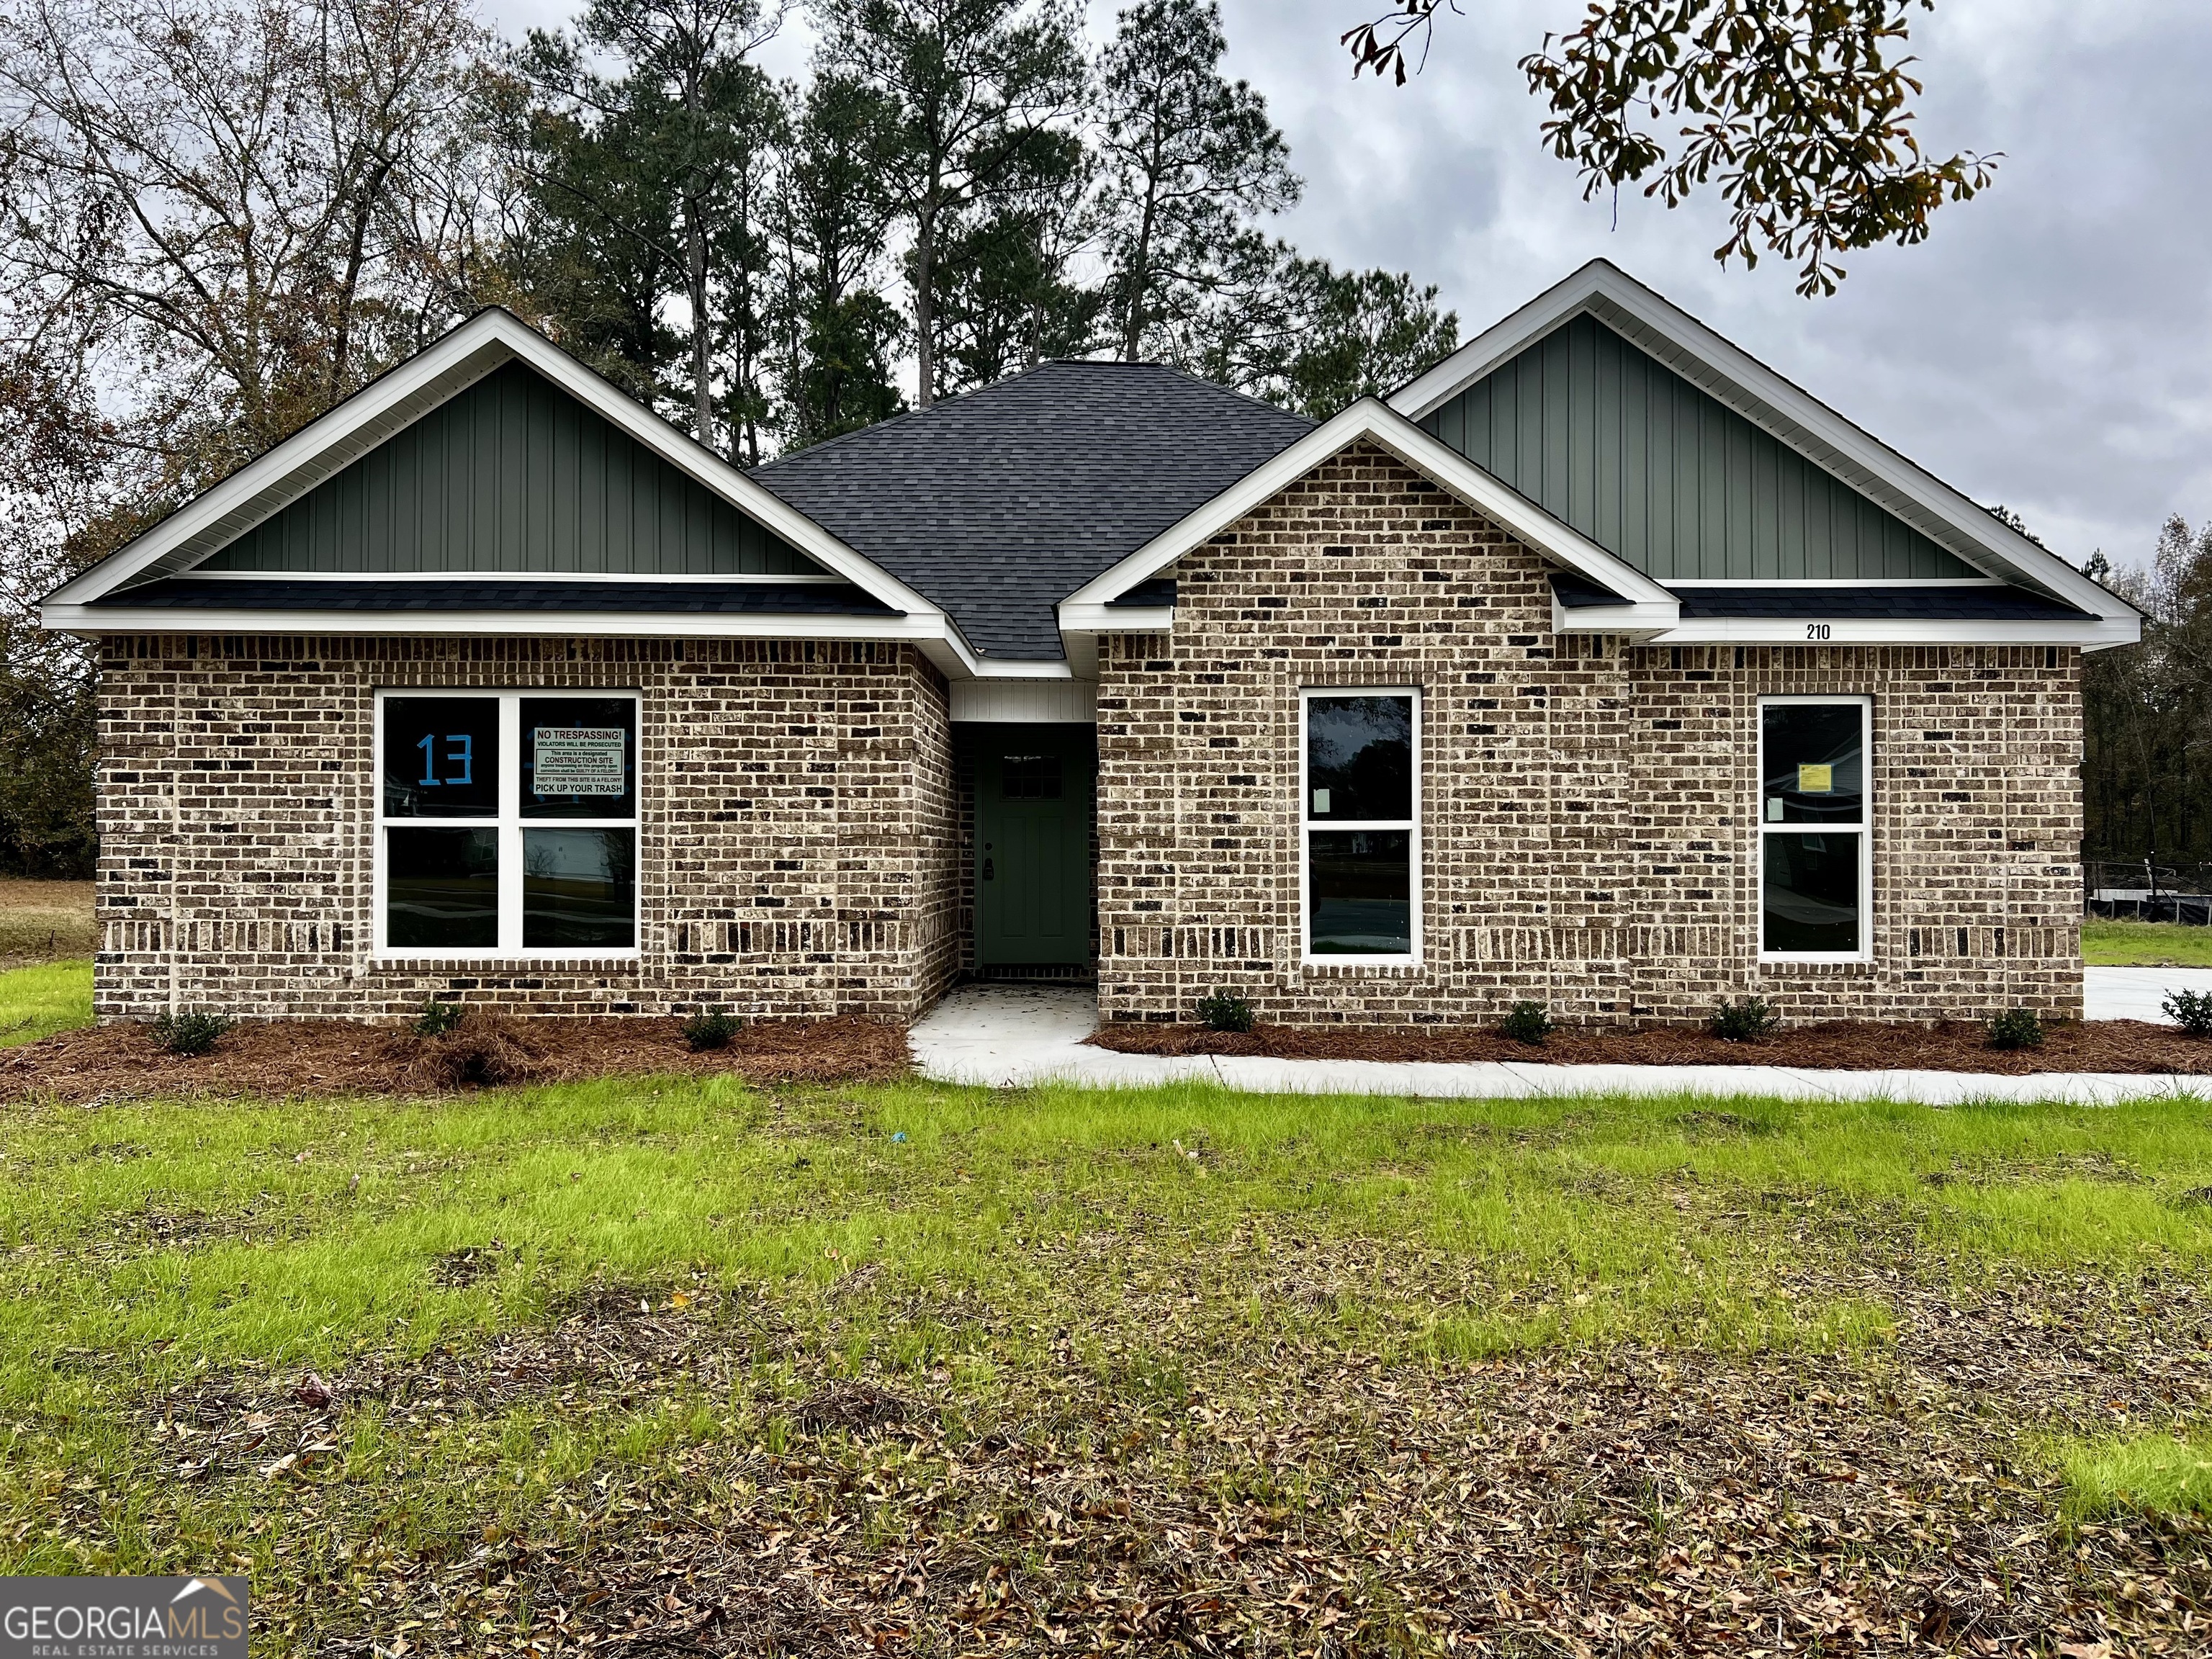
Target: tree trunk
point(1140, 276)
point(925, 308)
point(350, 285)
point(702, 385)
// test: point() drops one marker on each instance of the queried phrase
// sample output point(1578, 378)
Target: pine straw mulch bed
point(1292, 1497)
point(120, 1061)
point(2102, 1045)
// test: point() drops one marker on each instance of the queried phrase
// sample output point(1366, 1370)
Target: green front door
point(1033, 790)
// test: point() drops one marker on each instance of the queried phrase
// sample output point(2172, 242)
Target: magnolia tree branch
point(1798, 112)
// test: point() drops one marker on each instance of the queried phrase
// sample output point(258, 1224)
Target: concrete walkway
point(2136, 993)
point(1005, 1037)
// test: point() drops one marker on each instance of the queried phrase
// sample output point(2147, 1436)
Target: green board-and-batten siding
point(514, 475)
point(1665, 477)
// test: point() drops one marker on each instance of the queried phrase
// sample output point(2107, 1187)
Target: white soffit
point(1791, 414)
point(1026, 702)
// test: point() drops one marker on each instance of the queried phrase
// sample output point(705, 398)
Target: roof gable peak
point(404, 395)
point(1793, 416)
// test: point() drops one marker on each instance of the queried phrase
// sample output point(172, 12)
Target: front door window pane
point(1030, 777)
point(441, 888)
point(1360, 886)
point(441, 757)
point(579, 757)
point(579, 889)
point(1359, 758)
point(1816, 765)
point(1812, 893)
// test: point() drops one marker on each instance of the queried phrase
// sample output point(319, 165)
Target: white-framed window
point(1359, 824)
point(507, 824)
point(1815, 828)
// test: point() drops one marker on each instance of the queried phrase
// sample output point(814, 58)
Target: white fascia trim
point(1643, 620)
point(1001, 668)
point(1787, 411)
point(1372, 419)
point(1115, 618)
point(2102, 634)
point(486, 341)
point(929, 633)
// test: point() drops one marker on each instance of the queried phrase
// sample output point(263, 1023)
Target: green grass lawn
point(942, 1369)
point(2145, 945)
point(36, 1002)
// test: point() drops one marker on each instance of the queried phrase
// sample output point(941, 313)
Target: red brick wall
point(796, 844)
point(1588, 833)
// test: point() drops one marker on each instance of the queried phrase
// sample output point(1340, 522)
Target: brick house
point(1599, 665)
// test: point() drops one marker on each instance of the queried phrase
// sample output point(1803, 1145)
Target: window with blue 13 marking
point(467, 863)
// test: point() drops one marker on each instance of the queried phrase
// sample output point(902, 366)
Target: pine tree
point(839, 335)
point(983, 92)
point(1191, 161)
point(659, 165)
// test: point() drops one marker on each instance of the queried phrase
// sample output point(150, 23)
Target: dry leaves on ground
point(1268, 1493)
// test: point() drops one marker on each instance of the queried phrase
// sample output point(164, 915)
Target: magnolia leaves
point(1798, 112)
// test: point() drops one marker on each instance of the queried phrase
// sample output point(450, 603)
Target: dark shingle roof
point(1931, 604)
point(999, 504)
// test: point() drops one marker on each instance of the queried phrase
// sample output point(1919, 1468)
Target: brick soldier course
point(1592, 541)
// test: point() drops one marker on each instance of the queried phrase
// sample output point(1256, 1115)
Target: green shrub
point(1529, 1022)
point(1744, 1020)
point(710, 1027)
point(2191, 1011)
point(2019, 1028)
point(190, 1032)
point(1225, 1010)
point(437, 1017)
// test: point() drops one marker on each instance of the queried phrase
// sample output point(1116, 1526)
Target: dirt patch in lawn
point(44, 921)
point(2104, 1045)
point(1284, 1496)
point(121, 1060)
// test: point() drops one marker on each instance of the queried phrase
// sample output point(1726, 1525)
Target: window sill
point(1786, 967)
point(1338, 966)
point(398, 962)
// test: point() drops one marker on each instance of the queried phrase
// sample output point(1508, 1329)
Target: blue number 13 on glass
point(460, 746)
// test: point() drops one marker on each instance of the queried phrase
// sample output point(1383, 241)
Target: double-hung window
point(1360, 826)
point(1815, 839)
point(507, 824)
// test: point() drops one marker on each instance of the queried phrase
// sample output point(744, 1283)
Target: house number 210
point(1816, 630)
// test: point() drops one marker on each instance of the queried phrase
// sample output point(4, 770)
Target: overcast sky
point(2049, 347)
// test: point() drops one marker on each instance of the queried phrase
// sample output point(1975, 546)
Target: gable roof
point(1792, 416)
point(1000, 503)
point(512, 475)
point(1644, 604)
point(372, 417)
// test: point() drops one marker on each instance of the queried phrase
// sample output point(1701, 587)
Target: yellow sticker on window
point(1816, 780)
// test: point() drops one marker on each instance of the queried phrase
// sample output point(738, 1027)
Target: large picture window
point(1813, 825)
point(507, 824)
point(1361, 813)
